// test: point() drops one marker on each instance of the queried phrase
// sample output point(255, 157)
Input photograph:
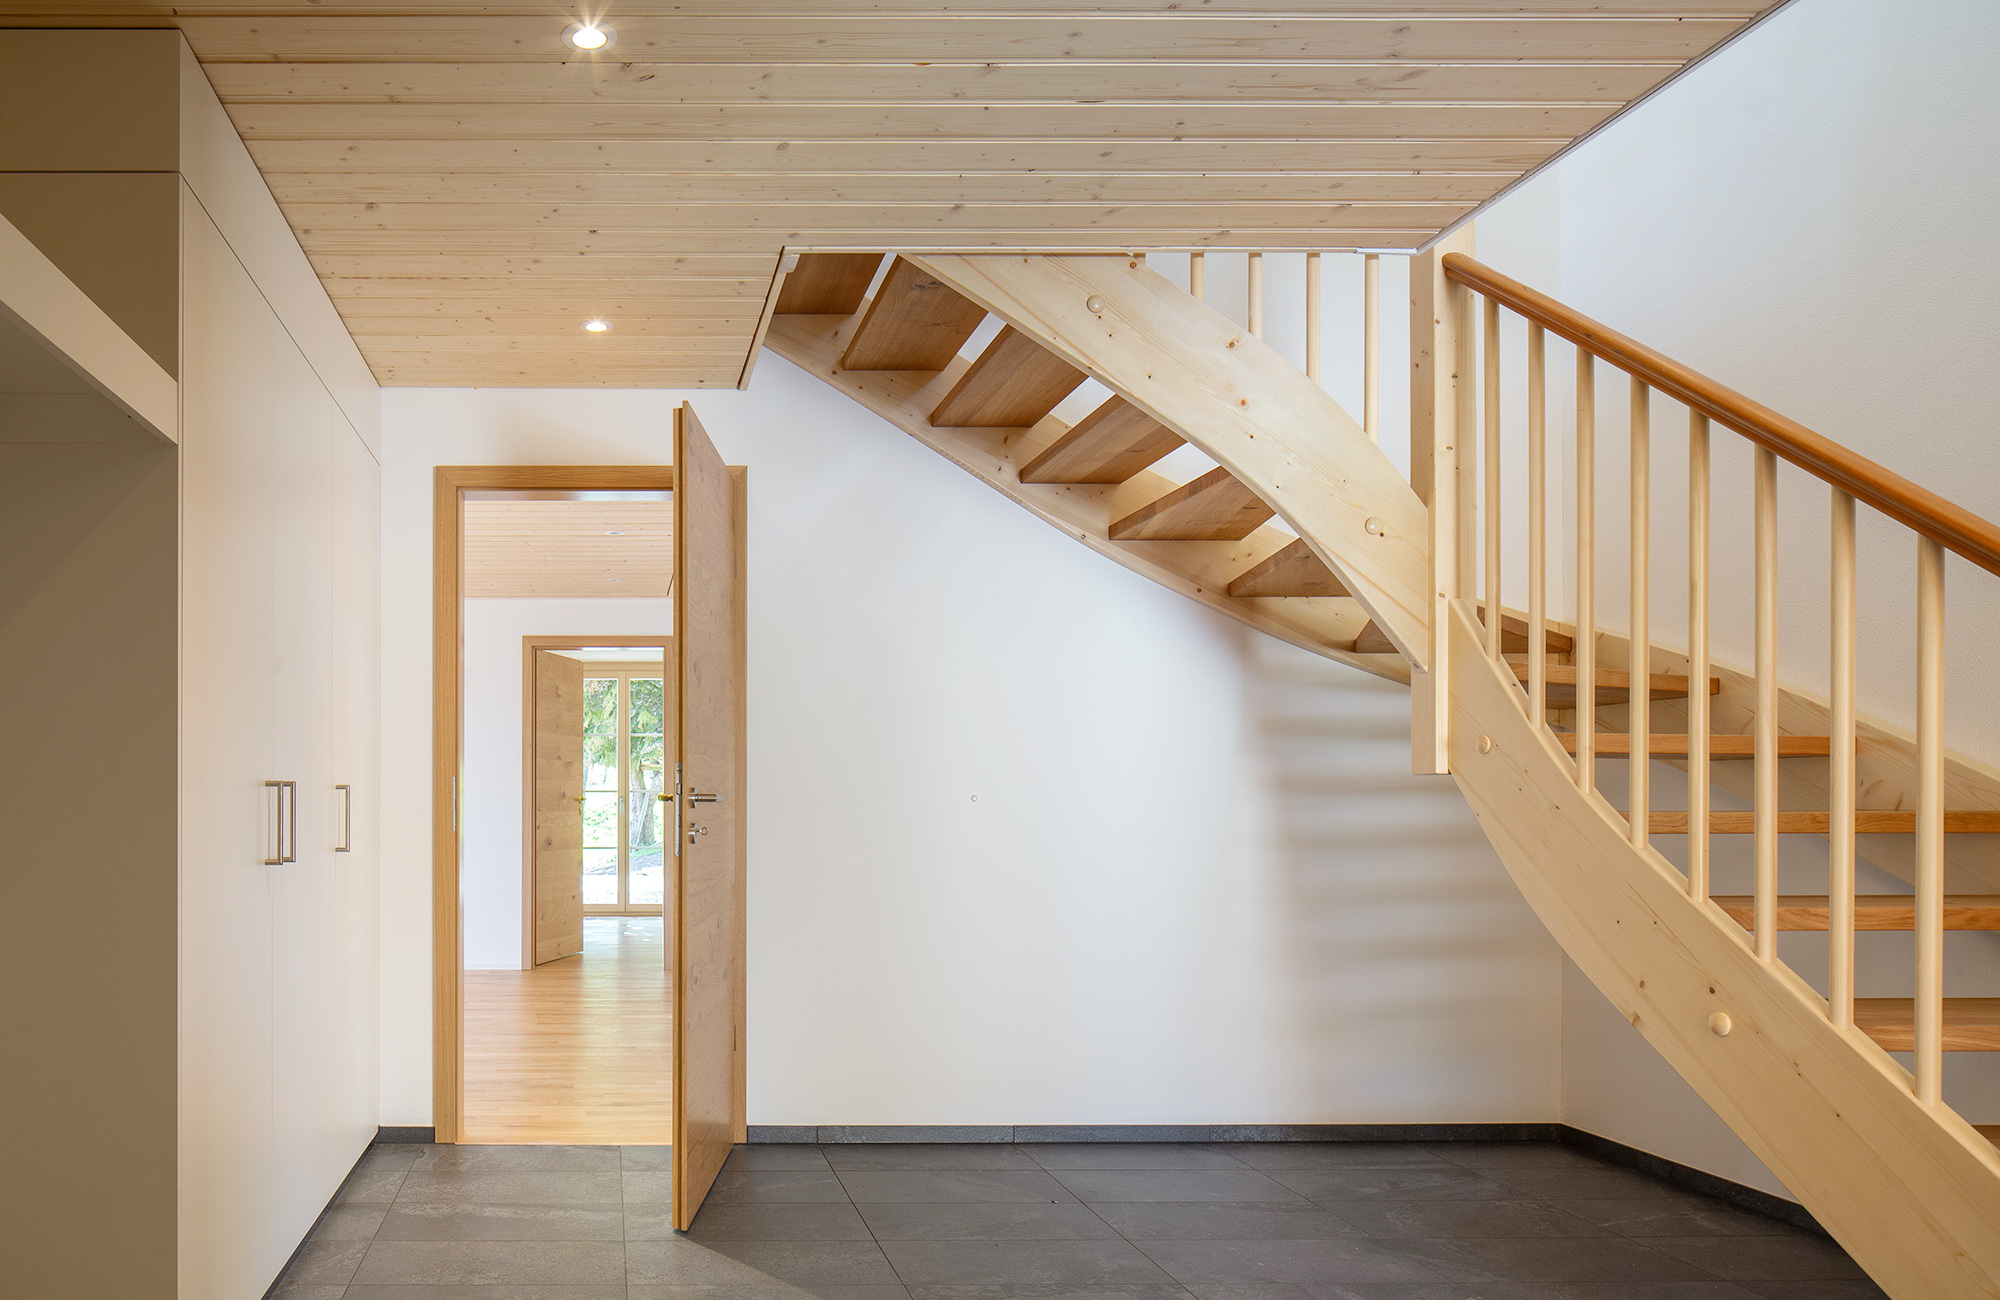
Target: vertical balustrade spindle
point(1930, 822)
point(1765, 777)
point(1371, 345)
point(1840, 772)
point(1538, 542)
point(1492, 454)
point(1312, 317)
point(1585, 644)
point(1198, 274)
point(1256, 295)
point(1639, 694)
point(1698, 699)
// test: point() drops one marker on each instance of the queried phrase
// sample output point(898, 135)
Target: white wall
point(1808, 217)
point(491, 869)
point(1032, 840)
point(1802, 218)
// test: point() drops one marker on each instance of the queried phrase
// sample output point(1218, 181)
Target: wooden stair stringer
point(1912, 1192)
point(1217, 386)
point(1200, 570)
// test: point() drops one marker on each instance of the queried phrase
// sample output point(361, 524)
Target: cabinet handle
point(284, 824)
point(277, 857)
point(346, 844)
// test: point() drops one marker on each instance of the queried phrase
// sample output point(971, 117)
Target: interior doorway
point(698, 996)
point(596, 754)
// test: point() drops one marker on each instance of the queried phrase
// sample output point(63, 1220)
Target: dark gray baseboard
point(395, 1134)
point(1694, 1180)
point(1669, 1171)
point(833, 1133)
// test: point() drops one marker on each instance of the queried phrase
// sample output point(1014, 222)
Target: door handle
point(682, 799)
point(346, 844)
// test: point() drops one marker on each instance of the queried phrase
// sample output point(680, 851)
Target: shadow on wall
point(1402, 930)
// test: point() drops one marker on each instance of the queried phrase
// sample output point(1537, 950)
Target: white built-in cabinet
point(279, 673)
point(188, 1045)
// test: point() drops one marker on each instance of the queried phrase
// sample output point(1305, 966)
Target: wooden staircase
point(1305, 531)
point(1213, 538)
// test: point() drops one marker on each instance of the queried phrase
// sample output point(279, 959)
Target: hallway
point(1280, 1221)
point(576, 1051)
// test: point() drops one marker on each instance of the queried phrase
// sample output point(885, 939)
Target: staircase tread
point(827, 284)
point(1674, 744)
point(1866, 822)
point(1012, 384)
point(1109, 445)
point(1871, 911)
point(1213, 508)
point(1970, 1024)
point(1614, 685)
point(1514, 634)
point(915, 322)
point(1292, 570)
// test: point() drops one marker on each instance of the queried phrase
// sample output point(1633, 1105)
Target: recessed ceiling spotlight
point(614, 532)
point(589, 37)
point(614, 579)
point(597, 326)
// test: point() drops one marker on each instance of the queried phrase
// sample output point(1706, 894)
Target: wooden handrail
point(1952, 526)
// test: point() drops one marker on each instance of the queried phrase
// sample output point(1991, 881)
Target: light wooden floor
point(577, 1051)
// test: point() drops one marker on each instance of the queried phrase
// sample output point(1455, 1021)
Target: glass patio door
point(624, 759)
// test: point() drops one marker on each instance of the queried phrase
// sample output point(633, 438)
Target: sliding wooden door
point(706, 897)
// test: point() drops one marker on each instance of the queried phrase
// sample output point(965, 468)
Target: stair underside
point(1201, 570)
point(1014, 383)
point(898, 353)
point(1871, 911)
point(1212, 508)
point(1294, 571)
point(1111, 444)
point(828, 284)
point(914, 322)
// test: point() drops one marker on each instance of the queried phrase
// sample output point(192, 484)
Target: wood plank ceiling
point(569, 548)
point(472, 190)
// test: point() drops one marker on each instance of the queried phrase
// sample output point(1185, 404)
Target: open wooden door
point(558, 807)
point(706, 898)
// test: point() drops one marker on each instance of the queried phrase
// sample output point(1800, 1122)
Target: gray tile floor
point(1296, 1221)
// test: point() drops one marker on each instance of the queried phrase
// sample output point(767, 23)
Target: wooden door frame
point(530, 875)
point(449, 485)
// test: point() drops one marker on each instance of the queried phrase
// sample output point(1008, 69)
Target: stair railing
point(1469, 492)
point(1315, 317)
